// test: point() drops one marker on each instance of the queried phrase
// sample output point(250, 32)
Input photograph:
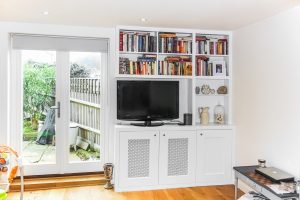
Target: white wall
point(267, 91)
point(4, 79)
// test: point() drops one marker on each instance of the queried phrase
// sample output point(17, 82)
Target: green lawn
point(29, 134)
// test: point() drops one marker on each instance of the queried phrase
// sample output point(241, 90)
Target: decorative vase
point(219, 114)
point(204, 115)
point(108, 174)
point(197, 90)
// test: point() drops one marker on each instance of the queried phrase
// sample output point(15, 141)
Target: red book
point(180, 46)
point(121, 41)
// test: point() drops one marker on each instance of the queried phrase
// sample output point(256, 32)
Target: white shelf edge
point(213, 126)
point(212, 55)
point(212, 77)
point(172, 77)
point(176, 54)
point(153, 76)
point(136, 52)
point(155, 53)
point(211, 95)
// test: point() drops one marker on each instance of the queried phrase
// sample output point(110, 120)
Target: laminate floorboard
point(225, 192)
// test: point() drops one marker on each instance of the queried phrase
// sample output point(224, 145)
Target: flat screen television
point(147, 101)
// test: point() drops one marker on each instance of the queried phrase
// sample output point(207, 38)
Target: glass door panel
point(85, 107)
point(39, 93)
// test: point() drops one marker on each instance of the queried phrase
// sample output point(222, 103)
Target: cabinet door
point(177, 157)
point(214, 157)
point(138, 158)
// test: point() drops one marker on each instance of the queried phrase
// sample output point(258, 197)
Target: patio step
point(44, 183)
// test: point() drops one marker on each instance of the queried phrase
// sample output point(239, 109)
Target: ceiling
point(202, 14)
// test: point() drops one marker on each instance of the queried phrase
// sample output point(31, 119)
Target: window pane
point(39, 69)
point(85, 106)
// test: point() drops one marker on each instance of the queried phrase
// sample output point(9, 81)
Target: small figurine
point(222, 90)
point(205, 89)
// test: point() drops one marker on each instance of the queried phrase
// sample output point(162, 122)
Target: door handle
point(57, 108)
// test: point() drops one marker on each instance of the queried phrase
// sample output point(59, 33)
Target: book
point(211, 45)
point(143, 65)
point(204, 67)
point(172, 43)
point(121, 41)
point(175, 65)
point(137, 42)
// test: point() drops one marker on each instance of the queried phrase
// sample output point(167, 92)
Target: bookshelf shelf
point(212, 95)
point(201, 57)
point(126, 76)
point(176, 54)
point(136, 52)
point(214, 126)
point(212, 55)
point(213, 77)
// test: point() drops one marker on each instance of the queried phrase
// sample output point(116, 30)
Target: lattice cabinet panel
point(138, 158)
point(177, 157)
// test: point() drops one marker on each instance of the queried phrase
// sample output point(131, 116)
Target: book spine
point(121, 41)
point(147, 43)
point(124, 42)
point(128, 42)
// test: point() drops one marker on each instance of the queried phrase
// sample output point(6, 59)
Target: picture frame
point(219, 68)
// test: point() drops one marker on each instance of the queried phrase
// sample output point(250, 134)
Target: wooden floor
point(98, 193)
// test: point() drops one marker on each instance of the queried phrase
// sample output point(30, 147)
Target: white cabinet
point(169, 157)
point(177, 155)
point(138, 158)
point(214, 157)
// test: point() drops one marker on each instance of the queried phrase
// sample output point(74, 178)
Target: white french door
point(58, 108)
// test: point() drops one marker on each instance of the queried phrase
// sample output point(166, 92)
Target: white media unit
point(173, 156)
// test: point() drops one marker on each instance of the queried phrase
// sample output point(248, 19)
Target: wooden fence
point(85, 107)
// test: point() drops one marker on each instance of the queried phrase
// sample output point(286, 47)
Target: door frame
point(16, 117)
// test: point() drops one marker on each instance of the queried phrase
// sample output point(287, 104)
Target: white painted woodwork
point(177, 157)
point(139, 158)
point(214, 157)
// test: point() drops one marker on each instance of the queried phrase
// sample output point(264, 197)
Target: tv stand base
point(148, 123)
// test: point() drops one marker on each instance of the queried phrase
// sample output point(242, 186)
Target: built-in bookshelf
point(194, 57)
point(212, 55)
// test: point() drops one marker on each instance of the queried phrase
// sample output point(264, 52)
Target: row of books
point(174, 68)
point(171, 43)
point(213, 46)
point(146, 65)
point(206, 67)
point(203, 66)
point(137, 42)
point(142, 66)
point(180, 65)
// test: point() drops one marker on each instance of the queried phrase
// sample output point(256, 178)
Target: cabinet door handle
point(164, 134)
point(154, 134)
point(201, 134)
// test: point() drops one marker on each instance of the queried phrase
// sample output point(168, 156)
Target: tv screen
point(147, 100)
